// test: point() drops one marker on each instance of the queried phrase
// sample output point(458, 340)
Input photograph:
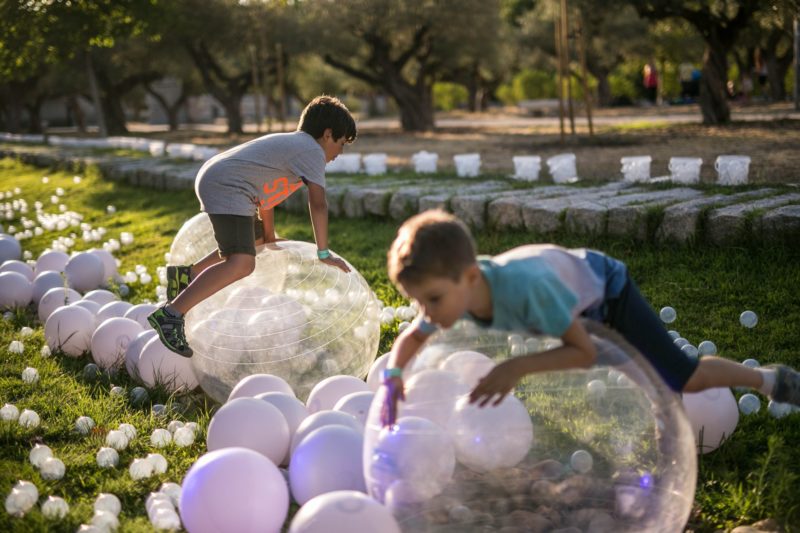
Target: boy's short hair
point(325, 112)
point(431, 244)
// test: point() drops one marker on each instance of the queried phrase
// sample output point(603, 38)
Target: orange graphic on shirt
point(278, 191)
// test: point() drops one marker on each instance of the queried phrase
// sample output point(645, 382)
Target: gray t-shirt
point(259, 174)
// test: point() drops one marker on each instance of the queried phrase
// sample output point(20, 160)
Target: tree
point(403, 46)
point(719, 22)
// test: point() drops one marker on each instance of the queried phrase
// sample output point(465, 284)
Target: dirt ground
point(765, 134)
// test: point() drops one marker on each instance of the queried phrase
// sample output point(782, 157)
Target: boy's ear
point(472, 273)
point(328, 133)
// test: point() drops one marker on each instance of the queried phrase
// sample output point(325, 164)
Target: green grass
point(752, 476)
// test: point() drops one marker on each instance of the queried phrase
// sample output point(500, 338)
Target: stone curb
point(679, 214)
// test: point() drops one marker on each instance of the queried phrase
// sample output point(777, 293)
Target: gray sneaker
point(787, 385)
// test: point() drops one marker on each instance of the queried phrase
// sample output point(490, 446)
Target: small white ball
point(778, 409)
point(581, 461)
point(84, 424)
point(25, 332)
point(117, 391)
point(166, 519)
point(29, 419)
point(105, 520)
point(30, 375)
point(160, 438)
point(401, 327)
point(117, 439)
point(158, 461)
point(108, 502)
point(18, 502)
point(748, 319)
point(174, 426)
point(140, 469)
point(107, 458)
point(129, 430)
point(45, 351)
point(38, 454)
point(707, 348)
point(751, 363)
point(52, 468)
point(183, 437)
point(749, 404)
point(9, 412)
point(55, 508)
point(16, 347)
point(173, 490)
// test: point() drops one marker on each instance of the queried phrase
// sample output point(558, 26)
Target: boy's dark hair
point(325, 112)
point(431, 244)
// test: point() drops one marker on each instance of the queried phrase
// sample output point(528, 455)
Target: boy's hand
point(499, 381)
point(394, 392)
point(338, 263)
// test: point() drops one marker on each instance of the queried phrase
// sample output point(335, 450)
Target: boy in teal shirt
point(542, 289)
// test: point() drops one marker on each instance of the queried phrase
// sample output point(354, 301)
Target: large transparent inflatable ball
point(602, 449)
point(194, 241)
point(294, 317)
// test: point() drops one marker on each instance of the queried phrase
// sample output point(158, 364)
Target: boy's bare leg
point(212, 259)
point(720, 372)
point(212, 279)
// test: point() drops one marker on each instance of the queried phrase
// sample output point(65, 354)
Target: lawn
point(752, 476)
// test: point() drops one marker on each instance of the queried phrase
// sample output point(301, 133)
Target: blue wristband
point(323, 254)
point(389, 373)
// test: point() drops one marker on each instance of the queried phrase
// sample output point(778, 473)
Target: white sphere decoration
point(135, 349)
point(158, 461)
point(432, 394)
point(112, 310)
point(105, 521)
point(140, 469)
point(415, 452)
point(29, 419)
point(69, 329)
point(751, 363)
point(160, 438)
point(292, 409)
point(356, 404)
point(173, 490)
point(258, 384)
point(51, 260)
point(9, 412)
point(748, 319)
point(330, 390)
point(9, 248)
point(469, 365)
point(294, 317)
point(320, 419)
point(581, 461)
point(129, 430)
point(160, 366)
point(92, 307)
point(707, 348)
point(15, 290)
point(375, 374)
point(139, 313)
point(43, 282)
point(690, 350)
point(52, 468)
point(54, 508)
point(713, 414)
point(55, 298)
point(328, 459)
point(490, 437)
point(38, 454)
point(668, 315)
point(596, 389)
point(749, 404)
point(343, 511)
point(117, 439)
point(14, 265)
point(84, 424)
point(109, 263)
point(30, 375)
point(775, 409)
point(250, 423)
point(166, 519)
point(174, 426)
point(219, 490)
point(183, 437)
point(111, 339)
point(84, 271)
point(101, 297)
point(107, 457)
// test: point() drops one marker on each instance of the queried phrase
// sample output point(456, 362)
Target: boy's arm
point(577, 351)
point(405, 347)
point(318, 209)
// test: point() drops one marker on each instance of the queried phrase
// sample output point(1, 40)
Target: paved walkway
point(642, 212)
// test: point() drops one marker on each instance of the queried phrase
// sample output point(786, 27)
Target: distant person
point(697, 76)
point(239, 189)
point(650, 82)
point(685, 75)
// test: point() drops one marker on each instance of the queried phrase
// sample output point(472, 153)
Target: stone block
point(726, 224)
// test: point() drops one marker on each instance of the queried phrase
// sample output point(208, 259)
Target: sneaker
point(170, 331)
point(787, 385)
point(178, 278)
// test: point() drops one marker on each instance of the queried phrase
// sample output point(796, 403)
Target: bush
point(448, 96)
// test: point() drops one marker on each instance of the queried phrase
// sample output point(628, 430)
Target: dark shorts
point(631, 315)
point(236, 234)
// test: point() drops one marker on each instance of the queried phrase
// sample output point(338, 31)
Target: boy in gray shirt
point(239, 189)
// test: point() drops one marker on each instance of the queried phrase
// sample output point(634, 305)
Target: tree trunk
point(34, 116)
point(603, 89)
point(713, 93)
point(98, 106)
point(233, 112)
point(416, 106)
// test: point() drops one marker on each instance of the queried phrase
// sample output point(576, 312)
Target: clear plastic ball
point(107, 458)
point(117, 439)
point(30, 375)
point(158, 461)
point(29, 419)
point(52, 468)
point(690, 350)
point(55, 508)
point(668, 315)
point(751, 363)
point(707, 348)
point(39, 453)
point(749, 404)
point(609, 455)
point(84, 424)
point(160, 438)
point(778, 409)
point(9, 412)
point(183, 437)
point(140, 469)
point(265, 323)
point(748, 319)
point(129, 430)
point(108, 502)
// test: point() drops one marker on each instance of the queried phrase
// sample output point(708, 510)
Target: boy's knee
point(244, 264)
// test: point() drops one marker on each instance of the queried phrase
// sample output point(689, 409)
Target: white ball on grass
point(38, 454)
point(30, 375)
point(107, 458)
point(52, 468)
point(140, 469)
point(9, 412)
point(158, 461)
point(55, 508)
point(108, 502)
point(173, 490)
point(160, 438)
point(129, 430)
point(183, 437)
point(117, 439)
point(105, 520)
point(84, 424)
point(29, 419)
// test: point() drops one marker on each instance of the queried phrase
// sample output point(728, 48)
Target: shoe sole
point(153, 322)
